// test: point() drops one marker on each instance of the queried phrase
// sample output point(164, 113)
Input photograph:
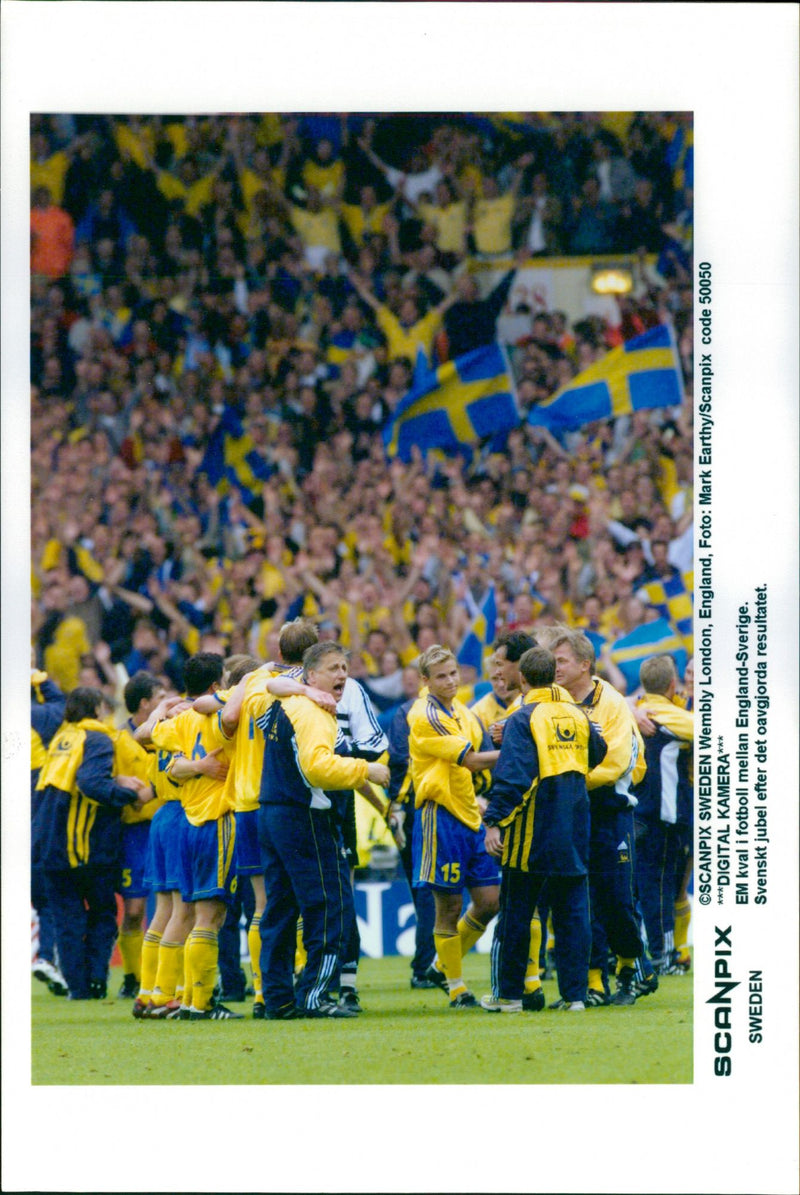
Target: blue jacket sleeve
point(515, 771)
point(94, 776)
point(398, 751)
point(46, 718)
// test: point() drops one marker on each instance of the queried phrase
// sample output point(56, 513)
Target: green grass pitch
point(403, 1036)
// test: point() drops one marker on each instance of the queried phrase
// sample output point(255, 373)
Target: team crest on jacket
point(565, 729)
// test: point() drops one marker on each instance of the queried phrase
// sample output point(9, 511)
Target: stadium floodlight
point(611, 280)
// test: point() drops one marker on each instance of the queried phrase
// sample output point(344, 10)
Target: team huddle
point(544, 802)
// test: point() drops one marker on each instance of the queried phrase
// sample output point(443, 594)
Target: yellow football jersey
point(490, 708)
point(131, 759)
point(243, 782)
point(438, 741)
point(193, 736)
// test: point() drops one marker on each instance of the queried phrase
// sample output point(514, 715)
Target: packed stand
point(286, 270)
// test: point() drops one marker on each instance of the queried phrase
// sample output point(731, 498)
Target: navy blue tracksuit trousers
point(424, 904)
point(84, 907)
point(612, 892)
point(306, 874)
point(656, 863)
point(568, 897)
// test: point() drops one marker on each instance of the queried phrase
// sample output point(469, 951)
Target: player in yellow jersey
point(171, 919)
point(142, 694)
point(493, 705)
point(447, 747)
point(188, 762)
point(208, 836)
point(163, 961)
point(509, 648)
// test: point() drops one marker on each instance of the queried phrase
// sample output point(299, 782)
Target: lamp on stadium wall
point(611, 280)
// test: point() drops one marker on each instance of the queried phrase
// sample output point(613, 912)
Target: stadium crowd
point(284, 272)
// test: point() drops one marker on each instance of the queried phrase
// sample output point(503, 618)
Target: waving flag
point(456, 405)
point(657, 638)
point(479, 638)
point(673, 600)
point(644, 373)
point(231, 458)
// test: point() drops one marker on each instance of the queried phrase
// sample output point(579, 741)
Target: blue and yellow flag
point(454, 406)
point(644, 373)
point(673, 598)
point(477, 643)
point(657, 638)
point(231, 459)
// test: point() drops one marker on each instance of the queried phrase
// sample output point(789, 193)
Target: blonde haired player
point(447, 752)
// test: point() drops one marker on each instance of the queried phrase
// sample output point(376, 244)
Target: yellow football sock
point(448, 950)
point(150, 946)
point(130, 947)
point(168, 972)
point(532, 980)
point(254, 946)
point(186, 982)
point(180, 986)
point(300, 955)
point(683, 915)
point(469, 931)
point(202, 951)
point(624, 962)
point(595, 979)
point(551, 936)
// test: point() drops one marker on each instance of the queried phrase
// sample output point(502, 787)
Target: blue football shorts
point(447, 855)
point(163, 872)
point(208, 859)
point(135, 842)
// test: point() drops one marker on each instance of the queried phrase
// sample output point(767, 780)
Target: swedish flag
point(479, 638)
point(644, 373)
point(673, 598)
point(231, 458)
point(456, 405)
point(657, 638)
